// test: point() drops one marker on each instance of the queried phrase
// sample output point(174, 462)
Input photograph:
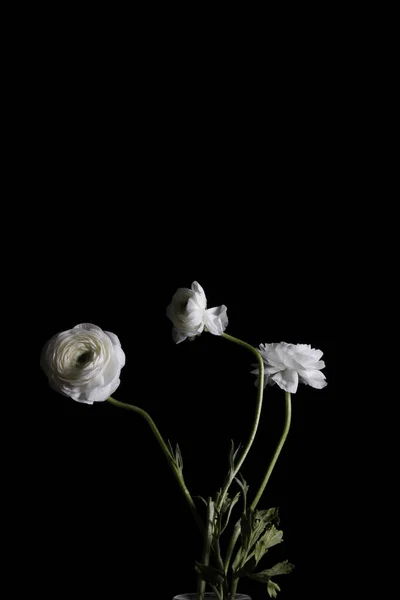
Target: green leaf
point(210, 574)
point(201, 498)
point(232, 457)
point(262, 520)
point(171, 449)
point(272, 588)
point(270, 515)
point(246, 527)
point(247, 568)
point(233, 454)
point(282, 568)
point(230, 506)
point(259, 551)
point(240, 480)
point(272, 537)
point(178, 458)
point(244, 487)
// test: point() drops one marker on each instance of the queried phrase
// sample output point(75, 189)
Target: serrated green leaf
point(270, 515)
point(210, 574)
point(261, 523)
point(259, 551)
point(272, 537)
point(282, 568)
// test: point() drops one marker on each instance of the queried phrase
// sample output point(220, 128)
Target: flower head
point(83, 363)
point(189, 314)
point(287, 364)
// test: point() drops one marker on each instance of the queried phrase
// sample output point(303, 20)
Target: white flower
point(286, 364)
point(189, 314)
point(83, 363)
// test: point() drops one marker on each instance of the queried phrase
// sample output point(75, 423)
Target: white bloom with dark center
point(190, 316)
point(83, 363)
point(287, 364)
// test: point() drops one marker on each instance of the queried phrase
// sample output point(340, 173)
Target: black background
point(152, 172)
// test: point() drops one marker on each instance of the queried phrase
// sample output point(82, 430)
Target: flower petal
point(288, 380)
point(199, 295)
point(178, 336)
point(216, 319)
point(313, 377)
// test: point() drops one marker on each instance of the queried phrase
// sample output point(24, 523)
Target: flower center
point(84, 358)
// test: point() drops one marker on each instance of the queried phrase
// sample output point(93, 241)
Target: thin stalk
point(288, 418)
point(168, 455)
point(236, 532)
point(205, 559)
point(257, 415)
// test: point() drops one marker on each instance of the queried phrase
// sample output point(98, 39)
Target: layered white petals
point(83, 363)
point(287, 364)
point(288, 380)
point(189, 314)
point(216, 319)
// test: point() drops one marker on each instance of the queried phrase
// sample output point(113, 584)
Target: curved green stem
point(256, 417)
point(288, 404)
point(260, 492)
point(167, 453)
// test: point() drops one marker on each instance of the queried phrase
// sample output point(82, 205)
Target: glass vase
point(208, 596)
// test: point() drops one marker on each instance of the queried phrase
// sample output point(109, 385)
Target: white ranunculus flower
point(83, 363)
point(189, 314)
point(287, 364)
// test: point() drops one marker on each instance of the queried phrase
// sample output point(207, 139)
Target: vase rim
point(209, 595)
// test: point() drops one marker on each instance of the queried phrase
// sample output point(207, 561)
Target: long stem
point(201, 583)
point(224, 591)
point(231, 546)
point(216, 591)
point(234, 588)
point(288, 418)
point(275, 457)
point(256, 417)
point(167, 454)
